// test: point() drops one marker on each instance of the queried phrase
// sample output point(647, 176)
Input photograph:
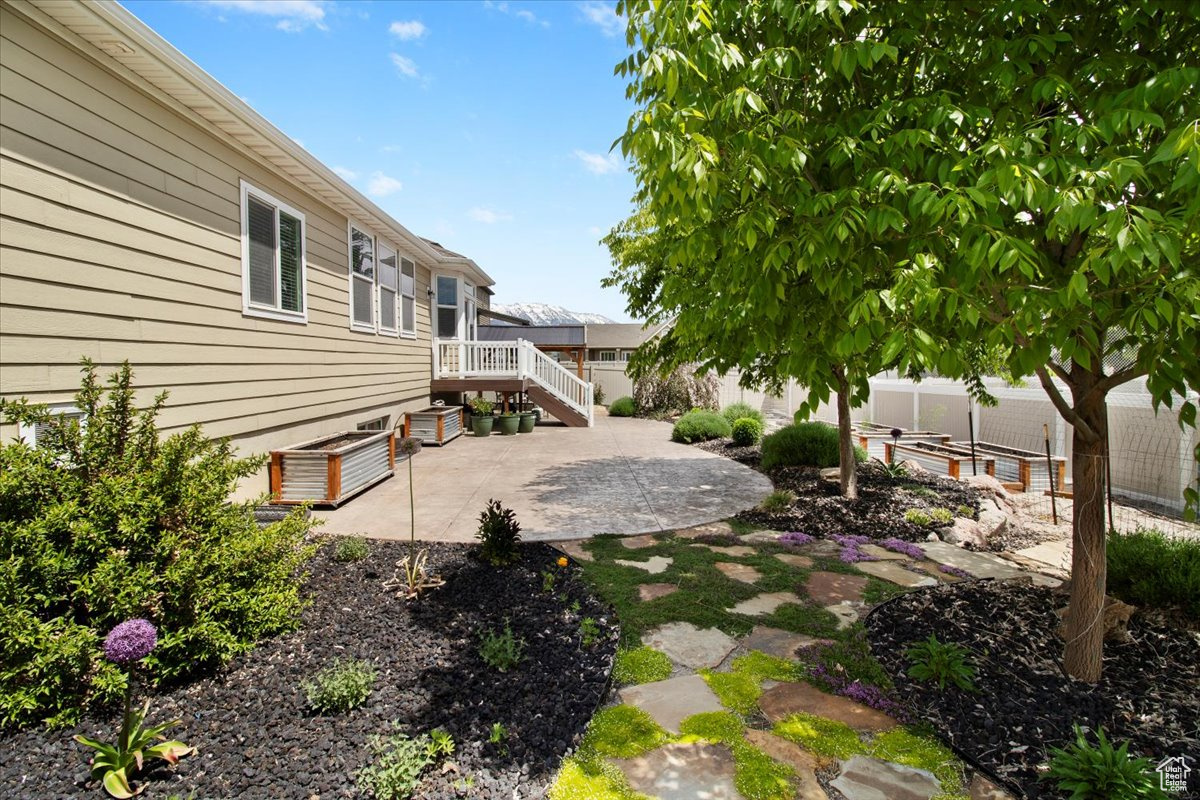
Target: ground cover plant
point(256, 734)
point(105, 522)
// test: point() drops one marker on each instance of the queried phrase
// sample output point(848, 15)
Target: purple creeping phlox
point(852, 548)
point(816, 659)
point(955, 571)
point(900, 546)
point(795, 538)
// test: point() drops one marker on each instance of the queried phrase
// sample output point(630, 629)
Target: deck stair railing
point(520, 359)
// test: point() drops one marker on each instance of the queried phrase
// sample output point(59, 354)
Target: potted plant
point(528, 420)
point(509, 423)
point(481, 417)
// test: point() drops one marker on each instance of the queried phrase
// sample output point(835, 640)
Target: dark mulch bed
point(1149, 693)
point(749, 455)
point(878, 512)
point(257, 738)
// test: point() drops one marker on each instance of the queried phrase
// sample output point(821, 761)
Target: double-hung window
point(362, 280)
point(273, 272)
point(388, 283)
point(408, 297)
point(447, 307)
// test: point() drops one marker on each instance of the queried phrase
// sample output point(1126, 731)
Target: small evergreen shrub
point(677, 393)
point(807, 444)
point(1098, 772)
point(778, 501)
point(340, 687)
point(1147, 568)
point(735, 411)
point(746, 431)
point(350, 549)
point(105, 522)
point(499, 535)
point(700, 426)
point(622, 407)
point(598, 395)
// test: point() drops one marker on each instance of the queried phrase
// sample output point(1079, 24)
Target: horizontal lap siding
point(119, 239)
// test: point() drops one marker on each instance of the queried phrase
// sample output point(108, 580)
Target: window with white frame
point(608, 355)
point(362, 280)
point(62, 413)
point(377, 424)
point(447, 307)
point(408, 297)
point(388, 284)
point(273, 268)
point(625, 354)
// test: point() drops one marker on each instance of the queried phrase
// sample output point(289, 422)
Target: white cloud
point(404, 31)
point(487, 216)
point(598, 164)
point(345, 174)
point(291, 16)
point(520, 13)
point(391, 148)
point(596, 230)
point(603, 16)
point(382, 185)
point(405, 65)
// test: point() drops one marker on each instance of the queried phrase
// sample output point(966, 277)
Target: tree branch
point(1110, 382)
point(1064, 407)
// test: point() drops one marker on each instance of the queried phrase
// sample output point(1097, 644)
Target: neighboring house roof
point(145, 59)
point(619, 335)
point(542, 335)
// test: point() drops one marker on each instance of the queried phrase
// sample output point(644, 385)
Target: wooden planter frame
point(307, 473)
point(950, 459)
point(871, 438)
point(436, 424)
point(1026, 467)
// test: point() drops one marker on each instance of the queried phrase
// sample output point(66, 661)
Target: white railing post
point(437, 358)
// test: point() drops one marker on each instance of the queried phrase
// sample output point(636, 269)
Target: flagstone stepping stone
point(846, 613)
point(822, 548)
point(892, 572)
point(803, 762)
point(882, 553)
point(695, 771)
point(777, 642)
point(653, 591)
point(737, 550)
point(784, 699)
point(738, 572)
point(762, 604)
point(575, 550)
point(709, 529)
point(672, 701)
point(981, 565)
point(983, 789)
point(827, 588)
point(865, 778)
point(638, 542)
point(757, 537)
point(689, 646)
point(654, 565)
point(793, 560)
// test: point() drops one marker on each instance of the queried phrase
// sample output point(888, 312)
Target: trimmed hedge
point(746, 431)
point(732, 413)
point(807, 444)
point(622, 407)
point(700, 426)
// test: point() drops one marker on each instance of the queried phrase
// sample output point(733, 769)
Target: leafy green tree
point(852, 185)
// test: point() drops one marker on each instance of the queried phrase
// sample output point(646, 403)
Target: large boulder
point(964, 533)
point(987, 485)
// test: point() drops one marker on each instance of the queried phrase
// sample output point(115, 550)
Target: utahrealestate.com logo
point(1173, 774)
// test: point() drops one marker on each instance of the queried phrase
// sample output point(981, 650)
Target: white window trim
point(355, 325)
point(379, 287)
point(249, 309)
point(434, 305)
point(28, 433)
point(600, 356)
point(406, 334)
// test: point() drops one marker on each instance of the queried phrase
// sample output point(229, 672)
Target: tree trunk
point(1085, 614)
point(849, 469)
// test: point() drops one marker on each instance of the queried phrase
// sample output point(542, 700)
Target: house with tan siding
point(148, 214)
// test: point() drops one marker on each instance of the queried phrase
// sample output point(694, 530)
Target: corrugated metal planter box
point(434, 425)
point(1025, 467)
point(938, 459)
point(331, 469)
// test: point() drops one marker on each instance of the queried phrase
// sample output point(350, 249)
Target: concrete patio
point(622, 476)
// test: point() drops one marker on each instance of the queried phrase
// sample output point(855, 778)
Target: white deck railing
point(456, 358)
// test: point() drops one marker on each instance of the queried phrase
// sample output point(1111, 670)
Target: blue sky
point(483, 125)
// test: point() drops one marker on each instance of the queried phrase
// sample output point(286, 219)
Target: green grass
point(640, 665)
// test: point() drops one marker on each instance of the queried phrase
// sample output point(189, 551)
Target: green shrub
point(746, 431)
point(1147, 568)
point(499, 535)
point(396, 771)
point(622, 407)
point(678, 393)
point(502, 650)
point(941, 516)
point(806, 444)
point(700, 426)
point(641, 665)
point(343, 685)
point(351, 548)
point(941, 662)
point(916, 516)
point(1101, 773)
point(105, 522)
point(598, 395)
point(778, 501)
point(735, 411)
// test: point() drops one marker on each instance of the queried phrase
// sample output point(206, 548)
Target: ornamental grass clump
point(805, 444)
point(108, 521)
point(115, 765)
point(735, 411)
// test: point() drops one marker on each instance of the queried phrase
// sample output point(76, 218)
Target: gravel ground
point(256, 737)
point(1149, 693)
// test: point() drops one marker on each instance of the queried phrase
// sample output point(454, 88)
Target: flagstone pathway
point(693, 768)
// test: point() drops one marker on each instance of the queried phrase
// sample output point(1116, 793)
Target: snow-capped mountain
point(545, 314)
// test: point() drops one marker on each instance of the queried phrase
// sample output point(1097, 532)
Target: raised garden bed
point(1025, 467)
point(331, 469)
point(436, 424)
point(954, 462)
point(874, 438)
point(1026, 704)
point(256, 736)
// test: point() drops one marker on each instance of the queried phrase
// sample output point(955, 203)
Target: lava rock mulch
point(1149, 693)
point(256, 736)
point(821, 511)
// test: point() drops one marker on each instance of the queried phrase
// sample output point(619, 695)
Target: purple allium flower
point(795, 538)
point(130, 641)
point(903, 547)
point(955, 571)
point(897, 433)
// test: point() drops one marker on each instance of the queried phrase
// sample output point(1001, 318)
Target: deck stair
point(514, 366)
